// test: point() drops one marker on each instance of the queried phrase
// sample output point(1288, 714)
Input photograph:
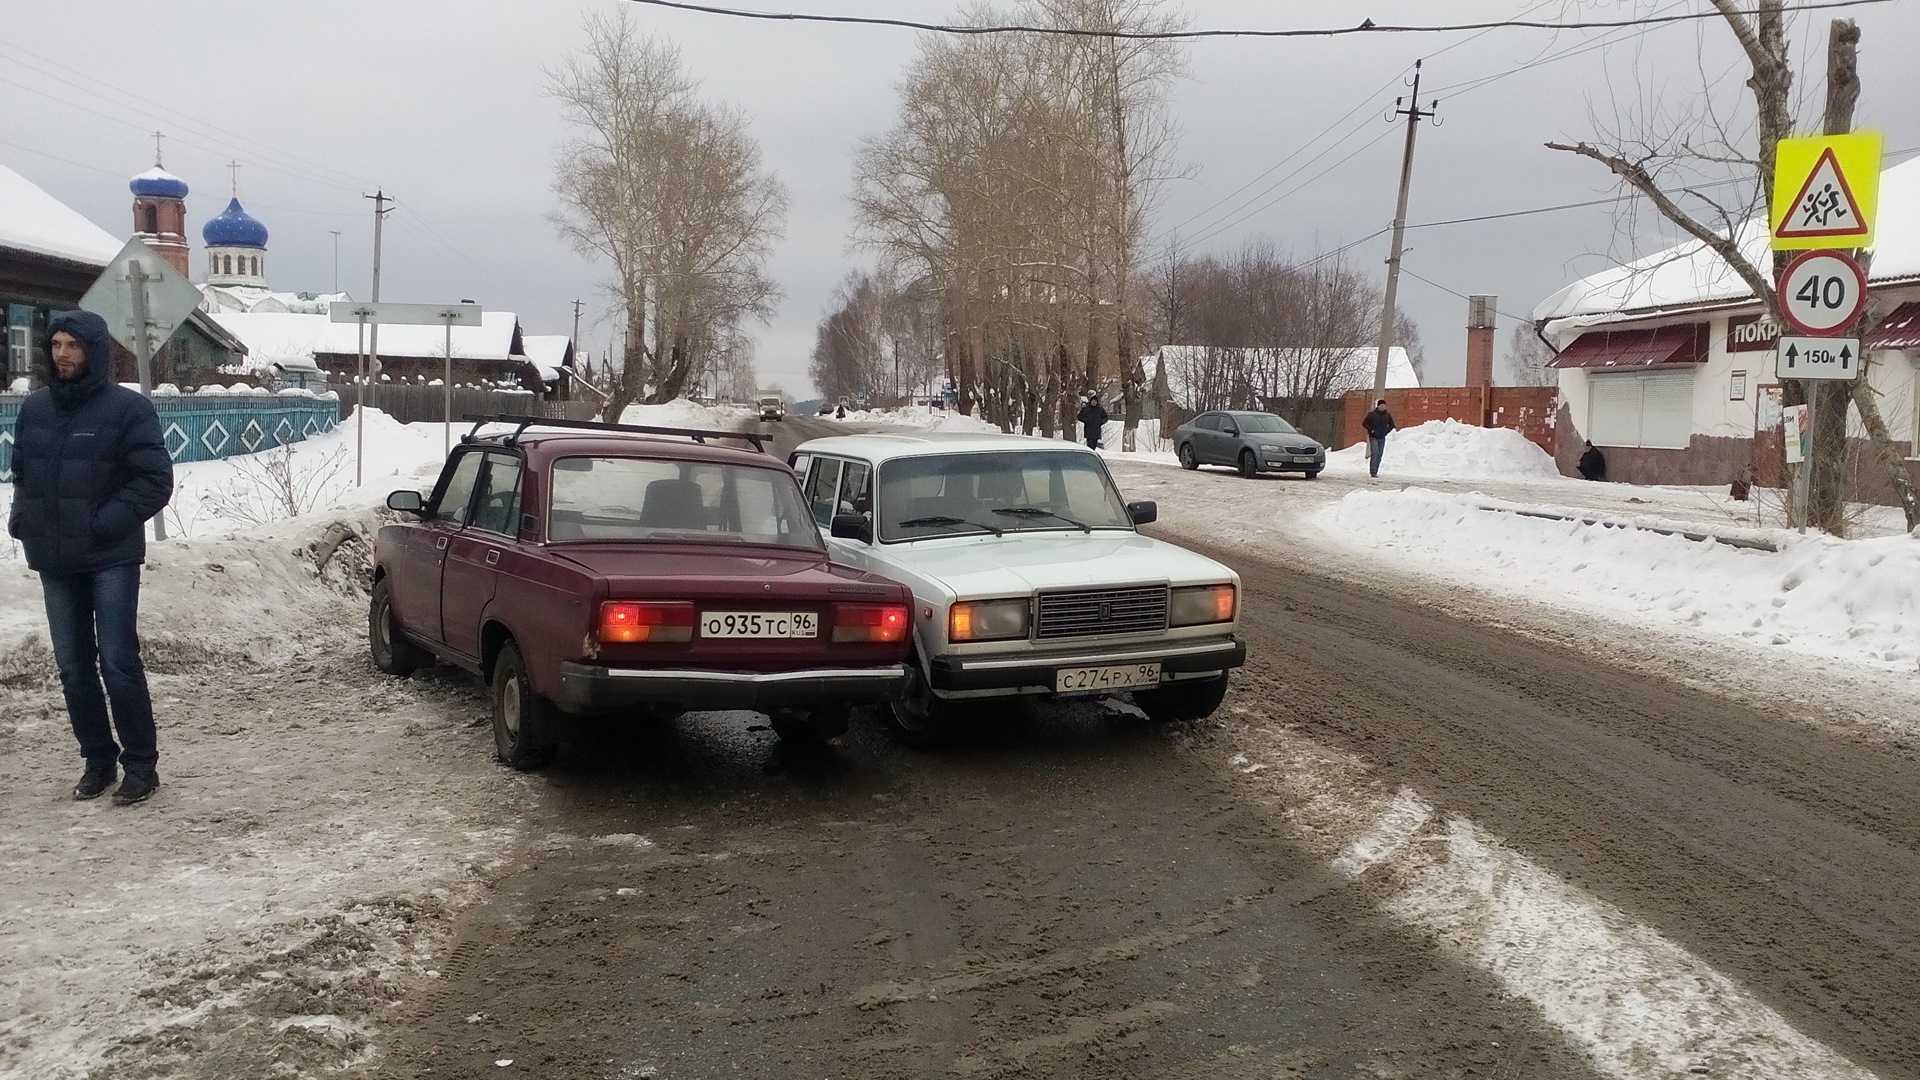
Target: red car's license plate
point(759, 624)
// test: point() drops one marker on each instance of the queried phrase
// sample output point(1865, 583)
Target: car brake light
point(624, 621)
point(870, 622)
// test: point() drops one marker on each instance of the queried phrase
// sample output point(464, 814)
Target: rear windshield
point(608, 498)
point(965, 494)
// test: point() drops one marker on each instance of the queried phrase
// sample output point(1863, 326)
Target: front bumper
point(593, 688)
point(1293, 462)
point(1034, 672)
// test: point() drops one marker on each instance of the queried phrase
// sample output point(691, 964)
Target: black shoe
point(139, 784)
point(95, 781)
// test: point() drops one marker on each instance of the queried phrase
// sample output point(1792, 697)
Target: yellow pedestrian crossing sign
point(1825, 191)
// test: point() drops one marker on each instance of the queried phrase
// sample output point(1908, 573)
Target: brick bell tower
point(160, 212)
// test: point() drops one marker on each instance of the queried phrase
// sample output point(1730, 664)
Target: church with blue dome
point(236, 248)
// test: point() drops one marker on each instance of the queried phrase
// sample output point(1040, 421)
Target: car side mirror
point(852, 527)
point(1143, 513)
point(1230, 430)
point(407, 502)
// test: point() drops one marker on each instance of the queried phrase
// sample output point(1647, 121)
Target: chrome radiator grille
point(1101, 611)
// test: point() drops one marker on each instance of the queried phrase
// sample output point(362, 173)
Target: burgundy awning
point(1686, 344)
point(1899, 330)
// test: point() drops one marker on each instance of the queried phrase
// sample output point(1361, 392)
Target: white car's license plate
point(1067, 680)
point(759, 624)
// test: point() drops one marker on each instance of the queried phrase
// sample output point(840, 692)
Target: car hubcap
point(510, 705)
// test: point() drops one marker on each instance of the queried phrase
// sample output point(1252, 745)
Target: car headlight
point(987, 620)
point(1198, 604)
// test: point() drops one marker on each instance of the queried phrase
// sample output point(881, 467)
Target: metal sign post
point(375, 313)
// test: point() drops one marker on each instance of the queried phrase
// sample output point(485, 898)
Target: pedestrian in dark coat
point(1093, 417)
point(1378, 424)
point(1593, 463)
point(89, 469)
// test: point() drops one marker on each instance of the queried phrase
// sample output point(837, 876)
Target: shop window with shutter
point(1649, 409)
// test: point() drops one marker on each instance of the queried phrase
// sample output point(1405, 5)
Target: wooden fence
point(412, 404)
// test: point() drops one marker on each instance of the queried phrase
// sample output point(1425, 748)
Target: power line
point(1366, 27)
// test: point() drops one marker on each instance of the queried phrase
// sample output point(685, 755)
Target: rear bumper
point(1034, 672)
point(592, 688)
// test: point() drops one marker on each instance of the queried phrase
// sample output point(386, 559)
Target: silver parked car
point(1249, 441)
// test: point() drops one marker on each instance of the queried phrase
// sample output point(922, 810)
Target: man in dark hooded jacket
point(89, 470)
point(1093, 418)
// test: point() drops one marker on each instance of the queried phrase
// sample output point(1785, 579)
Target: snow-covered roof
point(1357, 365)
point(1688, 275)
point(547, 350)
point(274, 337)
point(494, 339)
point(34, 221)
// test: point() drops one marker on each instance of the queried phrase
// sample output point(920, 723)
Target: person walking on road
point(1093, 417)
point(89, 470)
point(1377, 424)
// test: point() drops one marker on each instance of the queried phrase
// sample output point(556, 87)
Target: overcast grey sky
point(439, 102)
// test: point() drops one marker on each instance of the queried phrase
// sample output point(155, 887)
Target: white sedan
point(1028, 575)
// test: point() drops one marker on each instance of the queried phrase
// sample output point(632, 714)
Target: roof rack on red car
point(522, 423)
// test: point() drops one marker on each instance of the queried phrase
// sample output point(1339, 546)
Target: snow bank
point(919, 419)
point(685, 414)
point(1452, 449)
point(1856, 601)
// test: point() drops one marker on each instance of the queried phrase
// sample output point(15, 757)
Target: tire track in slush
point(1705, 837)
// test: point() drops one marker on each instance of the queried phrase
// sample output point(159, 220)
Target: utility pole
point(336, 260)
point(1414, 115)
point(143, 356)
point(380, 202)
point(576, 324)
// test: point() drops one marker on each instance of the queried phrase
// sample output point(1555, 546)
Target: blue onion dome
point(235, 228)
point(159, 183)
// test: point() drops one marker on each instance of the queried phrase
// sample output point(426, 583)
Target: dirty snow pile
point(1856, 601)
point(1451, 449)
point(682, 413)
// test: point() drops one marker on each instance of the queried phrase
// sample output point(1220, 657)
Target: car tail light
point(870, 622)
point(1202, 604)
point(629, 621)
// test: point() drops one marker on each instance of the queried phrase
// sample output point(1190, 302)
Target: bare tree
point(1527, 358)
point(669, 191)
point(1667, 159)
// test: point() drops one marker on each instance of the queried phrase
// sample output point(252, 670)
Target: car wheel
point(521, 718)
point(1187, 460)
point(1313, 474)
point(1248, 463)
point(392, 652)
point(1183, 701)
point(921, 719)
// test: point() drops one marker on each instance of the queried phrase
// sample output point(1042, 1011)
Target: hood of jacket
point(91, 330)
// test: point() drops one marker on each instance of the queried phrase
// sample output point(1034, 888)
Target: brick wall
point(1526, 409)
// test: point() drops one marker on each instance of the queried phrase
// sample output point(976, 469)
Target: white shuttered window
point(1652, 409)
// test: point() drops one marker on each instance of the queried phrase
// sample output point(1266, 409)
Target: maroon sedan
point(587, 570)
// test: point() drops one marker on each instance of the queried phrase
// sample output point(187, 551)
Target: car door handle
point(440, 544)
point(493, 556)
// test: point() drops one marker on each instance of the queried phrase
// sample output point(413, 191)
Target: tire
point(1313, 474)
point(804, 729)
point(1187, 460)
point(920, 719)
point(1184, 701)
point(522, 719)
point(1248, 463)
point(392, 652)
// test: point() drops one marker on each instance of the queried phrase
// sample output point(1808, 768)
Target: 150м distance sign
point(1822, 292)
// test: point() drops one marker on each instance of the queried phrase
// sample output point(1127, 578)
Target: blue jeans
point(91, 620)
point(1376, 446)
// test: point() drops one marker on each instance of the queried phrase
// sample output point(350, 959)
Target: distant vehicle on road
point(1252, 442)
point(1028, 575)
point(773, 407)
point(589, 569)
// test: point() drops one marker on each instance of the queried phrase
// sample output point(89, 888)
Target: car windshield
point(1263, 424)
point(616, 498)
point(960, 494)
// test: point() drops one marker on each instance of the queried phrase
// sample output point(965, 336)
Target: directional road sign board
point(1817, 358)
point(1825, 192)
point(405, 314)
point(1822, 292)
point(170, 297)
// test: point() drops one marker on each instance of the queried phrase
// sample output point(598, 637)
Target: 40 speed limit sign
point(1822, 292)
